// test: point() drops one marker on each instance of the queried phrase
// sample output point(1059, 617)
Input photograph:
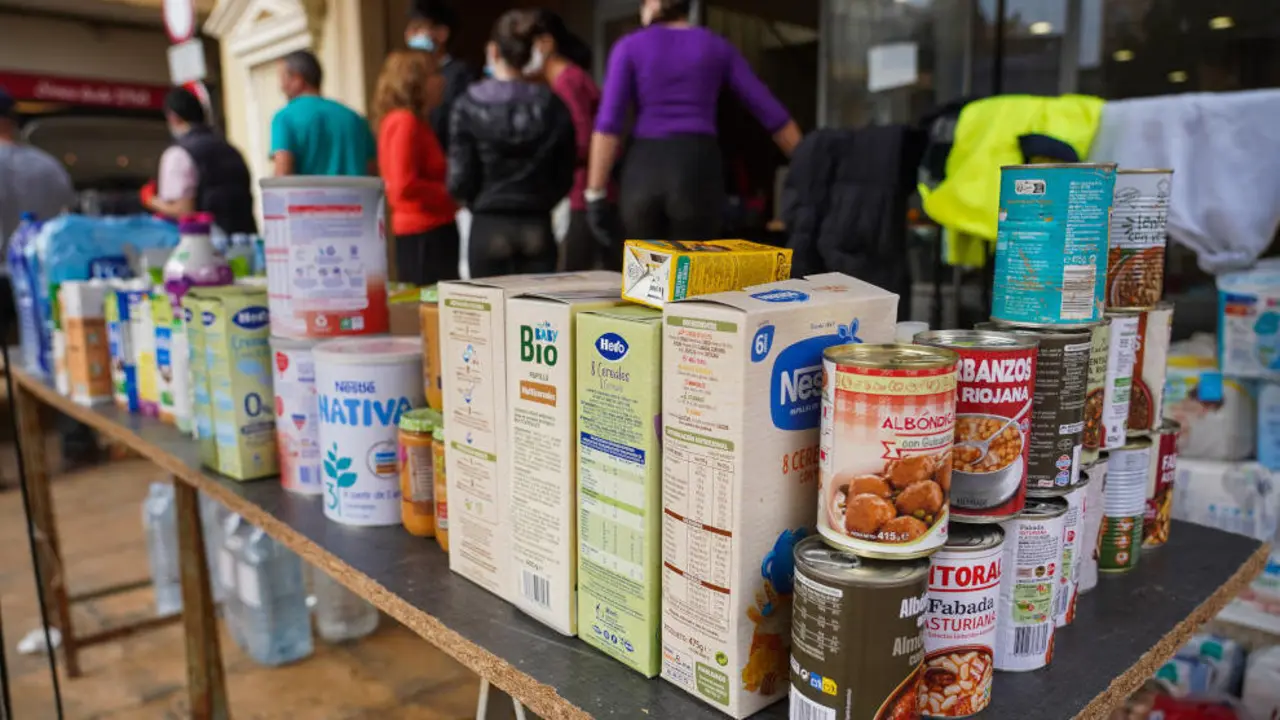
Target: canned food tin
point(888, 422)
point(1139, 216)
point(1164, 469)
point(297, 415)
point(1057, 420)
point(1150, 368)
point(960, 622)
point(1120, 545)
point(996, 377)
point(1091, 438)
point(1095, 478)
point(1118, 390)
point(856, 642)
point(1031, 563)
point(1051, 244)
point(1125, 501)
point(1064, 605)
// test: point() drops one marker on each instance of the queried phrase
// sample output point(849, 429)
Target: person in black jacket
point(201, 171)
point(511, 157)
point(432, 24)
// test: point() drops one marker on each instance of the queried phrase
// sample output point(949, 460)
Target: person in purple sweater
point(672, 73)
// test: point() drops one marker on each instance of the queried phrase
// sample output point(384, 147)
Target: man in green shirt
point(313, 135)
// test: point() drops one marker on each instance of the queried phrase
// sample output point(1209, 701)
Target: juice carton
point(473, 351)
point(619, 388)
point(195, 321)
point(238, 357)
point(741, 407)
point(88, 356)
point(429, 320)
point(172, 362)
point(142, 329)
point(657, 272)
point(124, 366)
point(542, 434)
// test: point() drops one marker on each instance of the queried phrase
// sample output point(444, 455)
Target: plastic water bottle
point(273, 601)
point(23, 298)
point(212, 515)
point(235, 533)
point(341, 615)
point(160, 521)
point(194, 262)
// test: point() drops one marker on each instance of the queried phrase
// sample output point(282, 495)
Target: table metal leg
point(206, 684)
point(49, 553)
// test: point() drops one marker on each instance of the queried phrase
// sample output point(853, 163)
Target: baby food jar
point(417, 471)
point(442, 492)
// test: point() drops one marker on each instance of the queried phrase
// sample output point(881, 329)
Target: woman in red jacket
point(413, 167)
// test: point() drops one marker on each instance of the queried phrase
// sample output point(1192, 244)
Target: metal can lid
point(816, 558)
point(984, 339)
point(1169, 427)
point(421, 420)
point(1123, 312)
point(438, 433)
point(1044, 508)
point(369, 350)
point(1082, 166)
point(972, 537)
point(1083, 330)
point(891, 357)
point(1145, 171)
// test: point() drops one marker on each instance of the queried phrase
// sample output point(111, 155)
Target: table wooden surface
point(1124, 630)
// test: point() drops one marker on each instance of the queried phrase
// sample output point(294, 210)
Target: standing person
point(413, 169)
point(432, 24)
point(672, 73)
point(511, 157)
point(562, 59)
point(201, 171)
point(313, 135)
point(31, 180)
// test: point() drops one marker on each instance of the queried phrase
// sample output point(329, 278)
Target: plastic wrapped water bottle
point(273, 602)
point(341, 615)
point(161, 525)
point(23, 298)
point(235, 533)
point(212, 515)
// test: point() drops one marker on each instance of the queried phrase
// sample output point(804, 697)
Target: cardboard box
point(194, 319)
point(542, 424)
point(88, 357)
point(619, 391)
point(657, 272)
point(741, 406)
point(143, 331)
point(478, 466)
point(235, 329)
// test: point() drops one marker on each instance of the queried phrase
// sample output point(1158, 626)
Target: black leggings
point(427, 258)
point(673, 189)
point(511, 245)
point(582, 251)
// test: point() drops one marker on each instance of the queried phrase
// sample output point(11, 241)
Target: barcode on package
point(1060, 599)
point(536, 588)
point(1032, 640)
point(802, 708)
point(1079, 282)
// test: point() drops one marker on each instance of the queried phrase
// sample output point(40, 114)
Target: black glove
point(606, 228)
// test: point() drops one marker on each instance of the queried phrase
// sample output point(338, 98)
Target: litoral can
point(1051, 244)
point(1125, 502)
point(297, 415)
point(1057, 419)
point(1150, 368)
point(326, 250)
point(888, 423)
point(1032, 553)
point(856, 642)
point(1118, 388)
point(1091, 436)
point(1094, 500)
point(363, 385)
point(1158, 515)
point(960, 622)
point(1139, 216)
point(995, 382)
point(1064, 603)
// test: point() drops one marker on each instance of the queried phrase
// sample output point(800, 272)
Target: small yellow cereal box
point(656, 272)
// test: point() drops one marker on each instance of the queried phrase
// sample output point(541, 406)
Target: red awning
point(83, 91)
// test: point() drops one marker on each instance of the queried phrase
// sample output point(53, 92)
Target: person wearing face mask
point(432, 24)
point(671, 74)
point(201, 171)
point(563, 60)
point(413, 169)
point(511, 157)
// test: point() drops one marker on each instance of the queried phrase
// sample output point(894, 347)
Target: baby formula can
point(297, 418)
point(1051, 244)
point(363, 386)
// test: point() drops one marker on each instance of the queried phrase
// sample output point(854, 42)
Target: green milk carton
point(196, 321)
point(619, 388)
point(236, 329)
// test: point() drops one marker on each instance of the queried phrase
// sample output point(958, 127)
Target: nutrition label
point(815, 622)
point(318, 250)
point(611, 489)
point(697, 539)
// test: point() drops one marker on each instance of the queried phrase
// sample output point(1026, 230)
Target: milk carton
point(473, 355)
point(142, 329)
point(619, 388)
point(88, 357)
point(173, 376)
point(238, 366)
point(541, 426)
point(195, 321)
point(741, 404)
point(124, 368)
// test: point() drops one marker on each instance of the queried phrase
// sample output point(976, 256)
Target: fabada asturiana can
point(1032, 561)
point(363, 386)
